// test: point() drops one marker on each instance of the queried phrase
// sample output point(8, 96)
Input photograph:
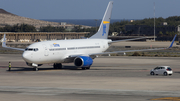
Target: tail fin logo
point(104, 27)
point(105, 22)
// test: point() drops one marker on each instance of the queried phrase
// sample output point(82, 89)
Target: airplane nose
point(26, 56)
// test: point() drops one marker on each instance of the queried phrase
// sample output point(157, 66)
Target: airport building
point(41, 36)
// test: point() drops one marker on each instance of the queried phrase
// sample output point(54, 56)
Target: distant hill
point(2, 11)
point(7, 18)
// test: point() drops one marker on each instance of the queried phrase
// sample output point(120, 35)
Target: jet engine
point(83, 61)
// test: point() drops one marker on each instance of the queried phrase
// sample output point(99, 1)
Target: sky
point(91, 9)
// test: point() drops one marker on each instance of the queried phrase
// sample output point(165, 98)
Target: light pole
point(154, 23)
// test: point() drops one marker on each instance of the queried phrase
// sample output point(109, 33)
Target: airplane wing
point(136, 50)
point(4, 45)
point(128, 39)
point(70, 58)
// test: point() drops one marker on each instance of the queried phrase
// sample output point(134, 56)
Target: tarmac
point(118, 78)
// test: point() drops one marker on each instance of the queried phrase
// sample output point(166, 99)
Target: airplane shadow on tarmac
point(13, 69)
point(66, 68)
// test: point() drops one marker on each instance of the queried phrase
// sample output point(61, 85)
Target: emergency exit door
point(46, 52)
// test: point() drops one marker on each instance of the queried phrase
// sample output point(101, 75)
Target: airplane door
point(103, 44)
point(46, 52)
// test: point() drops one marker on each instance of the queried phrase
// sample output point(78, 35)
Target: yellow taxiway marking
point(168, 98)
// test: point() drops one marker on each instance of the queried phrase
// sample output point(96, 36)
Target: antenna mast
point(154, 23)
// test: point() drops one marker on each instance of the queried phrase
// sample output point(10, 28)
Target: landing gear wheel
point(57, 65)
point(83, 68)
point(35, 68)
point(54, 65)
point(87, 67)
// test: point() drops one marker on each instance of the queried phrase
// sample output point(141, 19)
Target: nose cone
point(27, 56)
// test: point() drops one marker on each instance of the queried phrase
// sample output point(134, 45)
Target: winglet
point(4, 41)
point(172, 41)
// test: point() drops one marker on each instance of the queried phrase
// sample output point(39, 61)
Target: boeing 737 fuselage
point(61, 51)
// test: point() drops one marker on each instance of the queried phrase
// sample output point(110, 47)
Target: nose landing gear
point(35, 66)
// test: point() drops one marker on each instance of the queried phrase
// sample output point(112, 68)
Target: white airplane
point(80, 51)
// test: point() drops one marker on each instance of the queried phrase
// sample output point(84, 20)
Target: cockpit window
point(35, 49)
point(31, 49)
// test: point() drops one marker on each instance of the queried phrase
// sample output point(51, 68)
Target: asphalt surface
point(109, 79)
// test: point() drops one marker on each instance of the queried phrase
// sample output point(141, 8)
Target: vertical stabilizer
point(105, 23)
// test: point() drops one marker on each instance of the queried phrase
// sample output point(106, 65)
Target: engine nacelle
point(83, 61)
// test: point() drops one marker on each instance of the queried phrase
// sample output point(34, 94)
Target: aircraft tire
point(83, 68)
point(87, 67)
point(59, 66)
point(55, 66)
point(35, 69)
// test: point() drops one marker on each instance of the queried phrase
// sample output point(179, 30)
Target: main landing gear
point(83, 68)
point(57, 65)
